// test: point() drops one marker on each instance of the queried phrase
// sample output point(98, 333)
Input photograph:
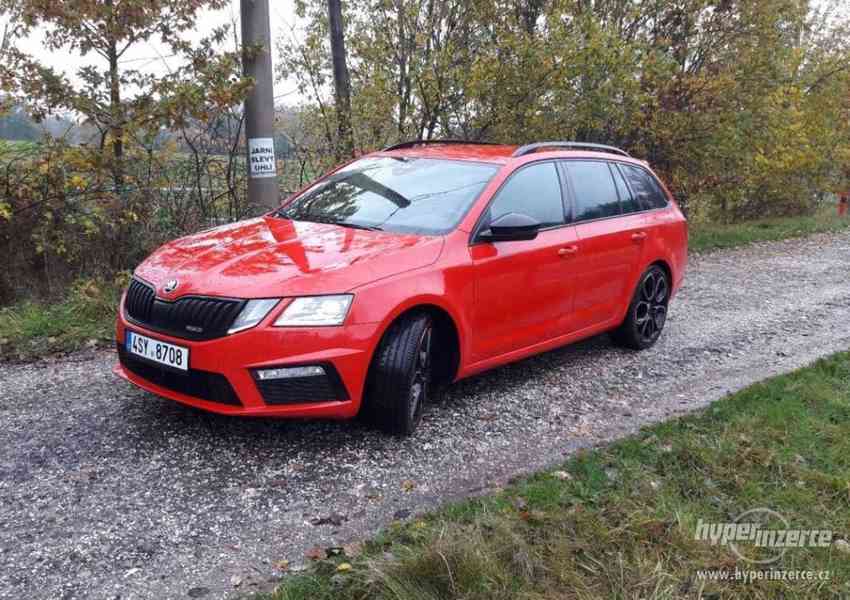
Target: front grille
point(213, 387)
point(303, 390)
point(139, 303)
point(191, 317)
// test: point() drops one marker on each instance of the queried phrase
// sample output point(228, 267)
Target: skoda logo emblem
point(170, 286)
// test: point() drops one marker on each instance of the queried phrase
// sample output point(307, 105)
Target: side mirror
point(511, 227)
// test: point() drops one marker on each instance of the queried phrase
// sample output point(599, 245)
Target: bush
point(85, 318)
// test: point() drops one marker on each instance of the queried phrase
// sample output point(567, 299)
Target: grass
point(620, 521)
point(85, 318)
point(709, 236)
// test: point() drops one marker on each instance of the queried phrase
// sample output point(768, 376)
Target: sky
point(153, 57)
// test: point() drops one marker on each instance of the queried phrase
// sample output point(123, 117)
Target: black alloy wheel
point(647, 312)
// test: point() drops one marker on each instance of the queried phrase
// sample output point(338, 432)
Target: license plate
point(176, 357)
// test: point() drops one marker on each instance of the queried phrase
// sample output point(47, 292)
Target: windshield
point(403, 195)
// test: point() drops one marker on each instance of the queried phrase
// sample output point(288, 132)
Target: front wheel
point(647, 311)
point(400, 378)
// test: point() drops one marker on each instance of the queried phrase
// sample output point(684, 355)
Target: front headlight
point(315, 311)
point(253, 312)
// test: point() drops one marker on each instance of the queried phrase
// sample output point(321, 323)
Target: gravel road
point(108, 492)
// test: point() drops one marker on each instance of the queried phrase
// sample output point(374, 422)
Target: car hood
point(269, 257)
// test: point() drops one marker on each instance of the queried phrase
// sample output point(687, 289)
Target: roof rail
point(412, 143)
point(529, 148)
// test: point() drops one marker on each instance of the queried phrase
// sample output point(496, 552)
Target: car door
point(611, 234)
point(523, 289)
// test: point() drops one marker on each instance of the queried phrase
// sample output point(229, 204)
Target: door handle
point(567, 251)
point(639, 236)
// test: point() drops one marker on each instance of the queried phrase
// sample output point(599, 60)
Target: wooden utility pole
point(342, 82)
point(259, 105)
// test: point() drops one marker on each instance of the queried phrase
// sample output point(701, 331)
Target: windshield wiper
point(358, 226)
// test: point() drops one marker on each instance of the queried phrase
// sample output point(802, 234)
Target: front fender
point(384, 301)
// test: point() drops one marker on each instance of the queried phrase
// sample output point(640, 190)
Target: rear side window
point(645, 188)
point(595, 192)
point(534, 191)
point(627, 201)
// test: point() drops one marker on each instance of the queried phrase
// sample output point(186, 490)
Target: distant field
point(17, 146)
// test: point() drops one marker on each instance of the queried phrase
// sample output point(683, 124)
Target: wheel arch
point(668, 270)
point(447, 328)
point(630, 290)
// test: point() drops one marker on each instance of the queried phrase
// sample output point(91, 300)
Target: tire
point(647, 311)
point(400, 377)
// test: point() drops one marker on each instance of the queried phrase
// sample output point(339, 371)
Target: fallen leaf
point(343, 567)
point(408, 485)
point(282, 565)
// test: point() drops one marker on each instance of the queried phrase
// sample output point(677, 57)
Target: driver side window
point(534, 191)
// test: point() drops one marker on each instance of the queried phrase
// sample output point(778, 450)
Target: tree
point(106, 30)
point(155, 169)
point(740, 104)
point(342, 82)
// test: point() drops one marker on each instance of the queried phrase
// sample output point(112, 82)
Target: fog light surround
point(290, 372)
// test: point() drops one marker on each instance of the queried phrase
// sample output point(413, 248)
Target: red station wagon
point(401, 272)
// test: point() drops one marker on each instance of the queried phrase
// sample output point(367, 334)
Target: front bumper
point(222, 378)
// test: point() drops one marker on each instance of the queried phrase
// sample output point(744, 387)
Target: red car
point(401, 272)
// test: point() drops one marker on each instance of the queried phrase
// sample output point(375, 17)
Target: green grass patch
point(620, 522)
point(86, 318)
point(712, 236)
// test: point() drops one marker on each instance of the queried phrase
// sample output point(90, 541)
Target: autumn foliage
point(161, 155)
point(742, 105)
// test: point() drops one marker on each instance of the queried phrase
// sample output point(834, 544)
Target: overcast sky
point(153, 57)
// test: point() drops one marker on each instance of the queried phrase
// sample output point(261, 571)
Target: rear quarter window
point(645, 188)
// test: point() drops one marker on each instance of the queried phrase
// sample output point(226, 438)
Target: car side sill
point(538, 348)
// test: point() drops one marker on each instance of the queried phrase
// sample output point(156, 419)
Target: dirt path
point(106, 491)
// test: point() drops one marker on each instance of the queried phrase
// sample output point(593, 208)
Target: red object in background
point(843, 201)
point(504, 300)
